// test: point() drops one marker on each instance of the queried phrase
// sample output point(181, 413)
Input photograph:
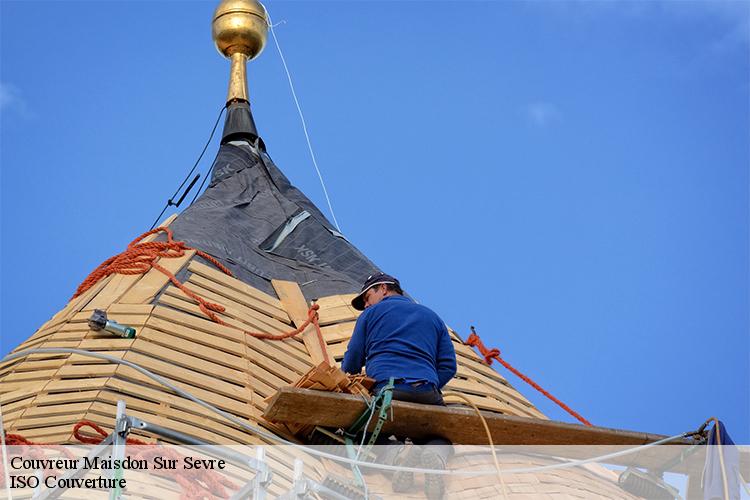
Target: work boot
point(408, 456)
point(434, 487)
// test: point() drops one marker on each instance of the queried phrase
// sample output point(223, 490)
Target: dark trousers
point(426, 394)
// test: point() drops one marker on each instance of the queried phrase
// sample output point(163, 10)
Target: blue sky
point(570, 177)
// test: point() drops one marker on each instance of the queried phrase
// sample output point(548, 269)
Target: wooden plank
point(31, 365)
point(256, 305)
point(232, 405)
point(154, 280)
point(67, 397)
point(337, 314)
point(57, 409)
point(82, 371)
point(220, 277)
point(296, 306)
point(79, 303)
point(54, 434)
point(118, 285)
point(480, 389)
point(116, 387)
point(337, 350)
point(178, 358)
point(107, 344)
point(278, 354)
point(26, 422)
point(188, 423)
point(251, 318)
point(9, 408)
point(237, 317)
point(183, 353)
point(338, 332)
point(189, 342)
point(21, 386)
point(139, 309)
point(25, 376)
point(55, 386)
point(336, 300)
point(460, 425)
point(12, 396)
point(188, 376)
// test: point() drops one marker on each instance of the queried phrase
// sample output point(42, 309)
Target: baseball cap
point(358, 302)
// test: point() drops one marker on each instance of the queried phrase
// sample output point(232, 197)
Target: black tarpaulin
point(261, 227)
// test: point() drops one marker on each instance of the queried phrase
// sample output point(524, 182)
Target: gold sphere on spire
point(240, 26)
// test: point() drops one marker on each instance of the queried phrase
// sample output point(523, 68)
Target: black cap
point(358, 302)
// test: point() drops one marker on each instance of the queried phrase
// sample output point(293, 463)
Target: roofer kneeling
point(396, 337)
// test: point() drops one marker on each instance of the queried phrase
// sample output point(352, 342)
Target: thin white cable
point(272, 437)
point(302, 117)
point(5, 455)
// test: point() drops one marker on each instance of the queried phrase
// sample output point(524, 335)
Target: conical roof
point(282, 253)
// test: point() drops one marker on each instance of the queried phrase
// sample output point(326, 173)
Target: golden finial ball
point(240, 26)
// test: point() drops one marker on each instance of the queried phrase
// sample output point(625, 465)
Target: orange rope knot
point(94, 440)
point(491, 355)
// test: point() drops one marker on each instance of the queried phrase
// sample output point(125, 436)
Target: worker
point(397, 338)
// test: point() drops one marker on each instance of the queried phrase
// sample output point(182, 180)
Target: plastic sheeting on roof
point(252, 219)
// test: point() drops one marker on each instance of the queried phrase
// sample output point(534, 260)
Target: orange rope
point(140, 257)
point(21, 443)
point(201, 483)
point(494, 354)
point(92, 440)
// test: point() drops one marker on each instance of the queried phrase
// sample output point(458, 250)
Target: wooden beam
point(459, 424)
point(296, 306)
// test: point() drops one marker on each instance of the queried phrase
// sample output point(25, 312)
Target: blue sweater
point(402, 339)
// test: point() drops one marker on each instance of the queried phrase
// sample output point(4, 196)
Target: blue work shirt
point(402, 339)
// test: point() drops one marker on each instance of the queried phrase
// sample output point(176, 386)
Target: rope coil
point(140, 257)
point(494, 354)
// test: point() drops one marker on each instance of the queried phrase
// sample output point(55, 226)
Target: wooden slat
point(190, 354)
point(58, 409)
point(68, 397)
point(154, 280)
point(188, 376)
point(178, 300)
point(26, 376)
point(472, 387)
point(337, 314)
point(262, 308)
point(12, 396)
point(219, 277)
point(460, 425)
point(119, 284)
point(276, 351)
point(338, 332)
point(335, 300)
point(250, 317)
point(232, 405)
point(296, 306)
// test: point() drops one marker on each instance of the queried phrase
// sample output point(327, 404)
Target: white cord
point(302, 117)
point(272, 437)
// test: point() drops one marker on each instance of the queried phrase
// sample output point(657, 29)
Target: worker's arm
point(446, 358)
point(354, 358)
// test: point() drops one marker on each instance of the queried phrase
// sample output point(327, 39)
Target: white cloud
point(12, 99)
point(543, 114)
